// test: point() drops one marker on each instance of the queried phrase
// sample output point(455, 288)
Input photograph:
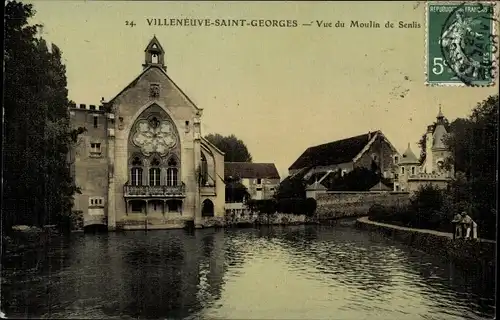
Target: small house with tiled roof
point(369, 150)
point(260, 179)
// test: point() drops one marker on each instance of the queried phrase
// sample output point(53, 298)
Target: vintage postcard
point(249, 160)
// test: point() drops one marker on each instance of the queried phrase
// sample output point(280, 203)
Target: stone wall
point(90, 169)
point(340, 204)
point(437, 243)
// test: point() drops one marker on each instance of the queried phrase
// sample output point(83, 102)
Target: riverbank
point(436, 242)
point(22, 238)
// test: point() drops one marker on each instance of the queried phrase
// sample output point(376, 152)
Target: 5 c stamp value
point(461, 44)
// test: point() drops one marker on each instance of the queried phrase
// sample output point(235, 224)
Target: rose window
point(154, 136)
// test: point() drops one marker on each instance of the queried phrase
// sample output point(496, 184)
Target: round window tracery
point(153, 135)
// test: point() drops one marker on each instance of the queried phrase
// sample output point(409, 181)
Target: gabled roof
point(134, 82)
point(250, 170)
point(154, 44)
point(336, 152)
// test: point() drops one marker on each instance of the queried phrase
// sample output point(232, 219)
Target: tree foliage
point(37, 137)
point(236, 191)
point(474, 145)
point(292, 187)
point(235, 149)
point(474, 141)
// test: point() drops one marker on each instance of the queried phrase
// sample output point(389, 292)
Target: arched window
point(154, 58)
point(172, 173)
point(154, 173)
point(402, 170)
point(204, 170)
point(136, 172)
point(207, 209)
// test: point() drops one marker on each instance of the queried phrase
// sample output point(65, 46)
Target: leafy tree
point(474, 145)
point(293, 187)
point(428, 198)
point(38, 137)
point(236, 191)
point(474, 141)
point(235, 149)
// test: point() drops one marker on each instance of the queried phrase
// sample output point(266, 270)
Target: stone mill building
point(142, 162)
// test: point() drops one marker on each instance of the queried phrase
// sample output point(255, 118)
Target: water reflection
point(302, 272)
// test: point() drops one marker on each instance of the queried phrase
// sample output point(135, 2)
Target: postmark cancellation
point(461, 44)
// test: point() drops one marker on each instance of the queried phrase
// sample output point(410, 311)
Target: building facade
point(319, 163)
point(412, 174)
point(260, 179)
point(142, 162)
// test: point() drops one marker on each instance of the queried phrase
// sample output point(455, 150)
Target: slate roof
point(438, 136)
point(250, 170)
point(408, 157)
point(336, 152)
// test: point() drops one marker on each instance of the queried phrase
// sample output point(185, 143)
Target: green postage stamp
point(461, 43)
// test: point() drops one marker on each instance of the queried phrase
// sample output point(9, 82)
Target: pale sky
point(280, 90)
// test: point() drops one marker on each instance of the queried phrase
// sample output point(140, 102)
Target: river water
point(300, 272)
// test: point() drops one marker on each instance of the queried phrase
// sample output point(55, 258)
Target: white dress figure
point(467, 221)
point(474, 230)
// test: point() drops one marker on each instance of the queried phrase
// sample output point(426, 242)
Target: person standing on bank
point(457, 227)
point(467, 224)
